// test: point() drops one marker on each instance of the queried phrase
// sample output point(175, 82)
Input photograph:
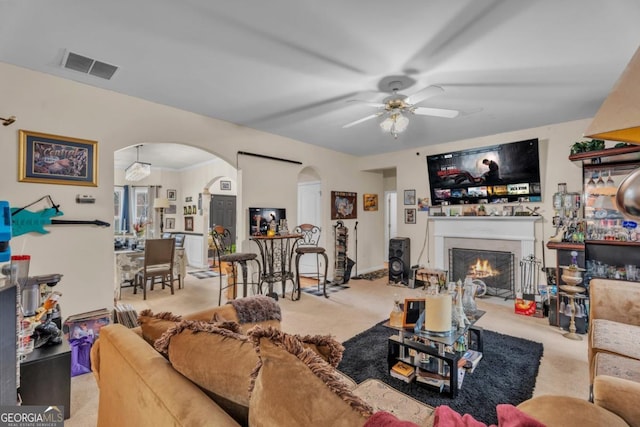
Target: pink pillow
point(447, 417)
point(386, 419)
point(508, 416)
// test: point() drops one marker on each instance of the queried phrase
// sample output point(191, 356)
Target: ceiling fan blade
point(369, 103)
point(423, 94)
point(437, 112)
point(364, 119)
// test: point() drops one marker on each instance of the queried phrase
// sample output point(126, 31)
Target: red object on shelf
point(525, 307)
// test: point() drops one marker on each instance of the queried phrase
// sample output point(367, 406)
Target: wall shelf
point(569, 246)
point(608, 155)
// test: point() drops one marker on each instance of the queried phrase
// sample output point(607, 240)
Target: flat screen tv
point(503, 173)
point(259, 219)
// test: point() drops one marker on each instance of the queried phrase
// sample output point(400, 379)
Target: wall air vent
point(83, 64)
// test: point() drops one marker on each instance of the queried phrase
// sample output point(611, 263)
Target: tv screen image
point(259, 219)
point(502, 173)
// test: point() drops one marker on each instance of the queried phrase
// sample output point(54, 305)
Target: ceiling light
point(138, 170)
point(395, 123)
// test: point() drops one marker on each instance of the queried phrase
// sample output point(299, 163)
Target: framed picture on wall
point(52, 159)
point(170, 223)
point(171, 195)
point(171, 210)
point(409, 197)
point(410, 216)
point(188, 223)
point(344, 205)
point(370, 202)
point(225, 185)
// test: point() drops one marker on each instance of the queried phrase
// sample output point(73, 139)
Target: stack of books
point(403, 372)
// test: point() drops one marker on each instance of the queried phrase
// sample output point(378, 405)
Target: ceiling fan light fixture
point(137, 170)
point(395, 123)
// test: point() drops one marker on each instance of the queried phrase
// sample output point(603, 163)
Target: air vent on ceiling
point(83, 64)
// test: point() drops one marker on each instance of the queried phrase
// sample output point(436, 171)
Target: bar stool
point(222, 243)
point(308, 244)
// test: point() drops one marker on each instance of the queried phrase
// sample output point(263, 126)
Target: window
point(138, 207)
point(140, 204)
point(118, 195)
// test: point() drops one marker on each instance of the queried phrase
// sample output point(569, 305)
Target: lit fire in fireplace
point(481, 269)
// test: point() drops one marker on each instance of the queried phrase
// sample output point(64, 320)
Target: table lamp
point(161, 203)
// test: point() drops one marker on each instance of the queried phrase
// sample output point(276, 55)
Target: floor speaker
point(399, 260)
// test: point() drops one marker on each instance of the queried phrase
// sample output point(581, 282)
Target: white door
point(390, 219)
point(309, 212)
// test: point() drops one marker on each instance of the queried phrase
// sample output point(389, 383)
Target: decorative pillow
point(251, 311)
point(218, 360)
point(508, 416)
point(256, 308)
point(154, 325)
point(325, 346)
point(293, 386)
point(387, 419)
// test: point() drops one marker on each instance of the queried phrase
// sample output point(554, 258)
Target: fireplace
point(494, 268)
point(510, 234)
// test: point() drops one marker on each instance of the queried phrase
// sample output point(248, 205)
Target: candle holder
point(572, 276)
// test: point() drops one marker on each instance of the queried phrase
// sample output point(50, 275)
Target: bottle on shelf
point(395, 317)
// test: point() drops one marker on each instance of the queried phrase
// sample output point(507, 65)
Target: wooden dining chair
point(158, 264)
point(223, 254)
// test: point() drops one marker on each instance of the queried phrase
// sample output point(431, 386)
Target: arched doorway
point(309, 209)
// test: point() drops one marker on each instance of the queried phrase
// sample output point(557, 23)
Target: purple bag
point(81, 355)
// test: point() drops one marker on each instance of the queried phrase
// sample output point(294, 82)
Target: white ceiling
point(288, 67)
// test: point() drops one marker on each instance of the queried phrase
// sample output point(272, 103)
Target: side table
point(45, 377)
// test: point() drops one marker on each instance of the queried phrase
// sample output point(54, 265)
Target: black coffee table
point(433, 346)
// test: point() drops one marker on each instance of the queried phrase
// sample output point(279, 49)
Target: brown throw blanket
point(257, 308)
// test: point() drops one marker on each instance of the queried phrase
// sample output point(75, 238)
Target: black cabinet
point(8, 346)
point(45, 377)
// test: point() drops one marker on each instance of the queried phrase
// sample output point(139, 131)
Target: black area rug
point(506, 374)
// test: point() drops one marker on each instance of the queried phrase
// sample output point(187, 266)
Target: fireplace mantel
point(517, 228)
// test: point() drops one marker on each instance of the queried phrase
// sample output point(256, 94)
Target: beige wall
point(84, 254)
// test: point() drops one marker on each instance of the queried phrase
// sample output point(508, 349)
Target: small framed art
point(410, 216)
point(409, 197)
point(188, 223)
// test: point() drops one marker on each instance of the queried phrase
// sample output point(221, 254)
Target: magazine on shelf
point(437, 380)
point(472, 358)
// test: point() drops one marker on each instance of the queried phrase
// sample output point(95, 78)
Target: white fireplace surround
point(500, 233)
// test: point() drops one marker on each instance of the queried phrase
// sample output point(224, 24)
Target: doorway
point(309, 212)
point(390, 219)
point(223, 212)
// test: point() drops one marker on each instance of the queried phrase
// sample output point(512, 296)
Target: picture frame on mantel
point(53, 159)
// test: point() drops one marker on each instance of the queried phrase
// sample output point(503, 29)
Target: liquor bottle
point(395, 317)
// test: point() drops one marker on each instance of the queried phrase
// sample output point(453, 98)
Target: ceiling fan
point(397, 106)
